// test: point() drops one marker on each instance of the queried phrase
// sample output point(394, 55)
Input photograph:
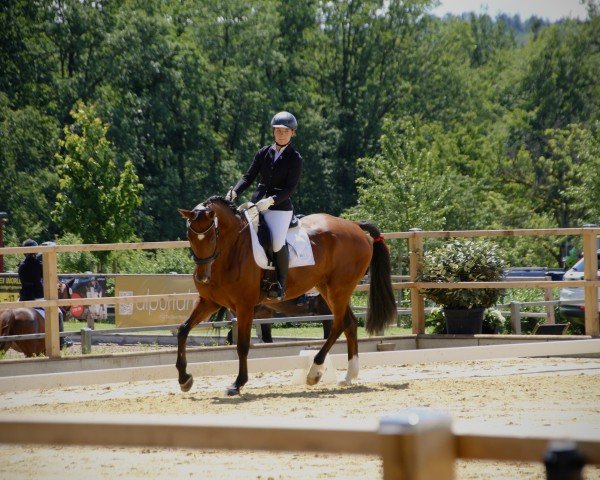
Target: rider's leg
point(281, 268)
point(278, 222)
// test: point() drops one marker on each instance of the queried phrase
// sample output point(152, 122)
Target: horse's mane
point(227, 203)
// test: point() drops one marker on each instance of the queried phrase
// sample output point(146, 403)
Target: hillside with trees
point(114, 114)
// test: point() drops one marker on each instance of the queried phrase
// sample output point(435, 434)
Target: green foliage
point(74, 262)
point(148, 261)
point(97, 197)
point(412, 182)
point(463, 261)
point(405, 119)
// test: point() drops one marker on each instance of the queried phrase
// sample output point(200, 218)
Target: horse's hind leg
point(202, 310)
point(352, 339)
point(341, 321)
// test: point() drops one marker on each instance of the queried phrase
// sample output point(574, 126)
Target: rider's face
point(283, 135)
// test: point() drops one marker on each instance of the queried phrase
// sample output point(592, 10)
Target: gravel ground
point(560, 393)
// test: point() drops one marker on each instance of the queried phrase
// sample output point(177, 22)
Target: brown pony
point(226, 275)
point(25, 321)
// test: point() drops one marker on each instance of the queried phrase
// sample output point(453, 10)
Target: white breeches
point(278, 222)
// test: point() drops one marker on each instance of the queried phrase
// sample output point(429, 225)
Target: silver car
point(574, 309)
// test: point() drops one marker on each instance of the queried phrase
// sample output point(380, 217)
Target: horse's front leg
point(202, 310)
point(244, 321)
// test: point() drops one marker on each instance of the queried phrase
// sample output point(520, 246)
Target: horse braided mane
point(219, 198)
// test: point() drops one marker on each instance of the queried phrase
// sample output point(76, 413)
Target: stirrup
point(276, 292)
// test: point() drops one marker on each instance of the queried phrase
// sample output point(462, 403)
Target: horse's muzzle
point(202, 278)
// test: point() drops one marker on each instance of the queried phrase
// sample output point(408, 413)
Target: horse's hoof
point(187, 385)
point(314, 379)
point(232, 391)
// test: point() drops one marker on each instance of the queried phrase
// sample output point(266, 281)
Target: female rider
point(279, 166)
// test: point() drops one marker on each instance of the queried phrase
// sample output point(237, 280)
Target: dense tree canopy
point(407, 119)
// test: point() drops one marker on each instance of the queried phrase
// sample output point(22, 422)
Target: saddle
point(264, 235)
point(297, 240)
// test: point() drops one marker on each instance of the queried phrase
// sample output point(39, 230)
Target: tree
point(97, 197)
point(27, 180)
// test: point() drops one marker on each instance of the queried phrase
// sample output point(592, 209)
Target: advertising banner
point(10, 285)
point(84, 286)
point(152, 312)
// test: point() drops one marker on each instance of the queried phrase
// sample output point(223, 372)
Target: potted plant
point(493, 321)
point(463, 261)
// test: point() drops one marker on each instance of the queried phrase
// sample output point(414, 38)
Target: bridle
point(214, 225)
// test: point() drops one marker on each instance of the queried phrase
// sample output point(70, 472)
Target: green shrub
point(463, 261)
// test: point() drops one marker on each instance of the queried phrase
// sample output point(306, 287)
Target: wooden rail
point(415, 444)
point(415, 239)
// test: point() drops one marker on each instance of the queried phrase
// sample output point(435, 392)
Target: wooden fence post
point(590, 270)
point(417, 301)
point(234, 331)
point(418, 444)
point(515, 317)
point(52, 340)
point(549, 308)
point(86, 340)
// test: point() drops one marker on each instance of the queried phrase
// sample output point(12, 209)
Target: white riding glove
point(265, 203)
point(231, 195)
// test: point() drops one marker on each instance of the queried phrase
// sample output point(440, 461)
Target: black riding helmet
point(285, 120)
point(30, 243)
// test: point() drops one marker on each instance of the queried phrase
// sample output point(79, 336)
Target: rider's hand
point(265, 203)
point(231, 195)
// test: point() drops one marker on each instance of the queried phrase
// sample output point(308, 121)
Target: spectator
point(31, 274)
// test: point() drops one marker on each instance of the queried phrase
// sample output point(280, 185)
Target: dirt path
point(559, 393)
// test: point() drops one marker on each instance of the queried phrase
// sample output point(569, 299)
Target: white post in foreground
point(418, 444)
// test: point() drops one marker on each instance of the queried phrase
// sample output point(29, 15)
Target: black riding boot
point(281, 258)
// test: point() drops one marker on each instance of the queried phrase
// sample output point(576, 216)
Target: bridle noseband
point(213, 225)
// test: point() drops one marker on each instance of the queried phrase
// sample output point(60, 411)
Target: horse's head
point(202, 232)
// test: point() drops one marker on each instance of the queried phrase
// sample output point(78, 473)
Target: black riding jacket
point(278, 178)
point(31, 274)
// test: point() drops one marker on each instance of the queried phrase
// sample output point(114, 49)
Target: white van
point(575, 310)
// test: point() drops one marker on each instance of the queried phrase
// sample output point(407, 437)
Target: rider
point(279, 166)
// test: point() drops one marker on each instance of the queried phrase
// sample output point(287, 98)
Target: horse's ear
point(186, 213)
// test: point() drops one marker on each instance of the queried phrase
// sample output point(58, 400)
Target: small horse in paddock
point(226, 275)
point(25, 321)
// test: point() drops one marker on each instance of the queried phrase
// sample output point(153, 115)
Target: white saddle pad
point(41, 311)
point(301, 254)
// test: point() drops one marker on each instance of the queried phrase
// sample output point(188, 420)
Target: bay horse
point(226, 275)
point(25, 321)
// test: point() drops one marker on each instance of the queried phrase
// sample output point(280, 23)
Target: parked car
point(513, 273)
point(574, 309)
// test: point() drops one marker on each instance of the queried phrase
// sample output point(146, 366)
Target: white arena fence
point(415, 240)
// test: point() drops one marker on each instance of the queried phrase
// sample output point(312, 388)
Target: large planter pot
point(467, 321)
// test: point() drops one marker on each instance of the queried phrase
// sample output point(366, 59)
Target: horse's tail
point(7, 320)
point(382, 304)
